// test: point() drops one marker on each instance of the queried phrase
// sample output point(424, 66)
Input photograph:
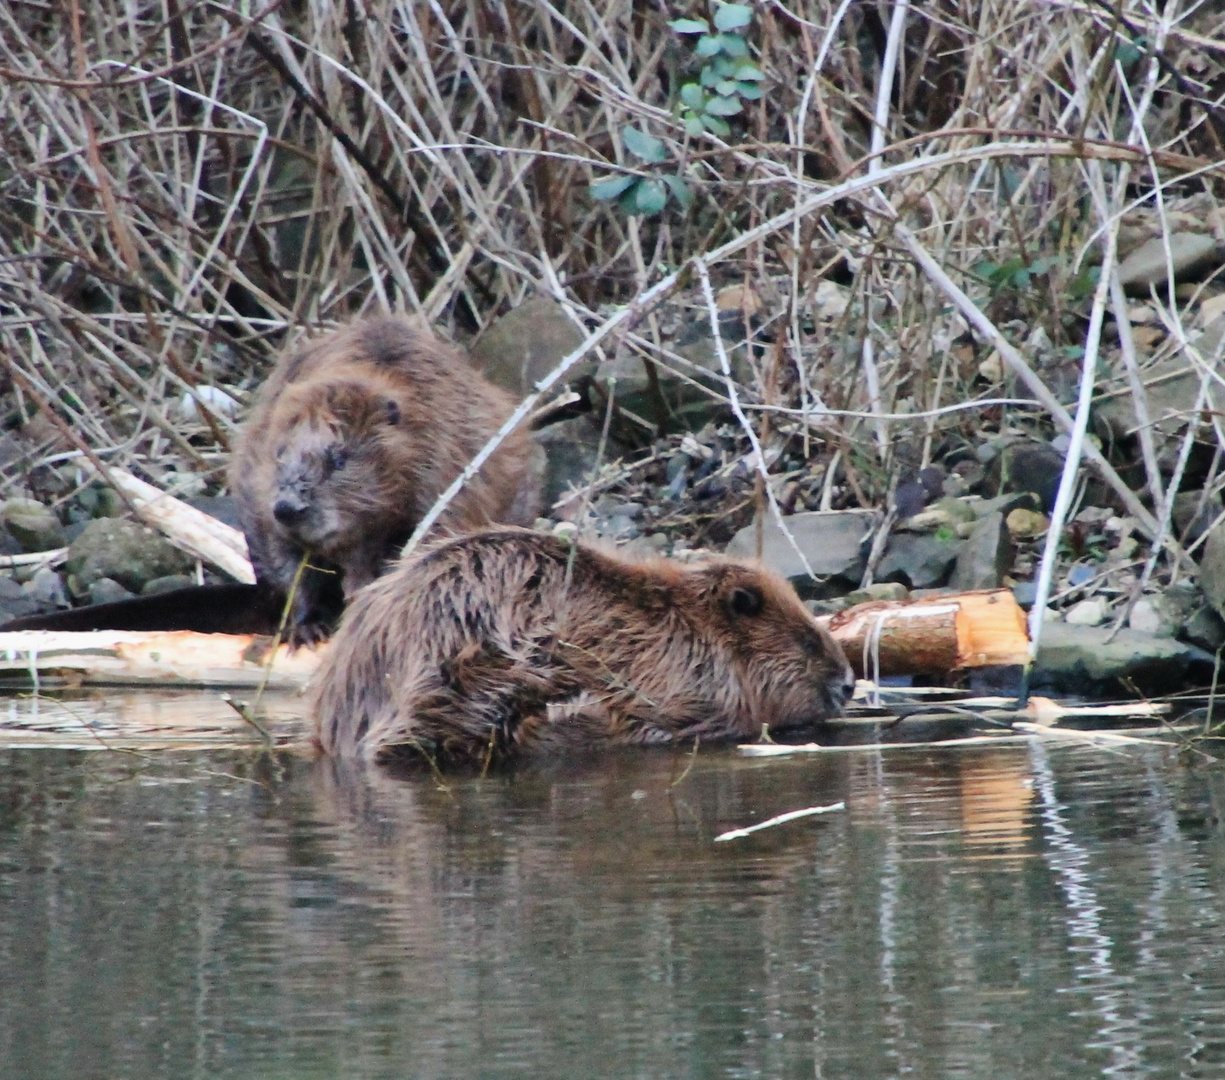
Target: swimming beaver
point(507, 641)
point(352, 439)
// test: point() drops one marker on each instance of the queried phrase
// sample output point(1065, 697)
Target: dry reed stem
point(171, 212)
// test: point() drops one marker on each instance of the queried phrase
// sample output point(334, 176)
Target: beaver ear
point(391, 412)
point(746, 600)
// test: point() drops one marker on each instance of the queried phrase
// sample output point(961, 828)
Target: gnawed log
point(933, 636)
point(175, 658)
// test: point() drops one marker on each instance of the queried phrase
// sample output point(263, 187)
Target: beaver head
point(331, 463)
point(788, 669)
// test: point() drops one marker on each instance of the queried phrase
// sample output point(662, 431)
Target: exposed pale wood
point(965, 630)
point(124, 658)
point(50, 557)
point(196, 532)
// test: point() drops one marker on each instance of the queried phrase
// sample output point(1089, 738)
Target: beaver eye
point(746, 600)
point(334, 457)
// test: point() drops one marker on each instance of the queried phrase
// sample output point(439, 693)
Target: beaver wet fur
point(506, 642)
point(353, 438)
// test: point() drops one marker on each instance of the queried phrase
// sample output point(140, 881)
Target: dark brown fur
point(353, 438)
point(506, 641)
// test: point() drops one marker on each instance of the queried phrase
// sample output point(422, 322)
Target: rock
point(521, 347)
point(1212, 569)
point(1026, 524)
point(1193, 513)
point(46, 589)
point(1146, 265)
point(834, 542)
point(1025, 593)
point(222, 507)
point(918, 561)
point(1083, 659)
point(99, 500)
point(1081, 573)
point(32, 524)
point(688, 408)
point(167, 584)
point(129, 553)
point(107, 591)
point(1027, 466)
point(1091, 612)
point(15, 601)
point(986, 556)
point(569, 450)
point(1172, 388)
point(1205, 628)
point(1147, 619)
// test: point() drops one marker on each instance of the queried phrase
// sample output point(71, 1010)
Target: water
point(1016, 911)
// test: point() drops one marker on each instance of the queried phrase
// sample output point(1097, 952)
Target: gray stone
point(685, 407)
point(129, 553)
point(15, 601)
point(46, 589)
point(1029, 467)
point(918, 561)
point(1091, 612)
point(107, 591)
point(569, 450)
point(167, 584)
point(1189, 252)
point(1025, 592)
point(1212, 569)
point(1194, 513)
point(1147, 619)
point(1205, 628)
point(986, 556)
point(1073, 657)
point(833, 541)
point(521, 347)
point(32, 524)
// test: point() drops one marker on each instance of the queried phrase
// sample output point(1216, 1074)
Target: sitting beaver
point(351, 441)
point(505, 642)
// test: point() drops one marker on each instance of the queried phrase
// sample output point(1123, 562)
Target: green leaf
point(723, 106)
point(691, 95)
point(717, 125)
point(709, 77)
point(708, 46)
point(726, 88)
point(645, 146)
point(612, 187)
point(629, 199)
point(732, 45)
point(724, 67)
point(748, 71)
point(652, 196)
point(680, 190)
point(690, 26)
point(693, 124)
point(749, 91)
point(733, 16)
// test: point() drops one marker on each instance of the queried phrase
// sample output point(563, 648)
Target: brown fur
point(353, 438)
point(506, 641)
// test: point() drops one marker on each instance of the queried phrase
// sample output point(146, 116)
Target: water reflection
point(1004, 911)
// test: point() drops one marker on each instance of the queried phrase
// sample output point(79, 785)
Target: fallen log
point(933, 636)
point(926, 637)
point(173, 658)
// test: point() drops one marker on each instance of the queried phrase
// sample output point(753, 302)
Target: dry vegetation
point(185, 183)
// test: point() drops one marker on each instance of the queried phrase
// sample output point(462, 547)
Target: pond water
point(1016, 911)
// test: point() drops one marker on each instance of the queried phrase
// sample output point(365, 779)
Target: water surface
point(1018, 911)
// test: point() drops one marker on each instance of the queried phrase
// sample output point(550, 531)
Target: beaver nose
point(847, 688)
point(289, 510)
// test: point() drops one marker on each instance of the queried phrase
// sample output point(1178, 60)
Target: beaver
point(352, 439)
point(505, 642)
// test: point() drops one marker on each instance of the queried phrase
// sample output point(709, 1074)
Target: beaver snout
point(289, 510)
point(842, 690)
